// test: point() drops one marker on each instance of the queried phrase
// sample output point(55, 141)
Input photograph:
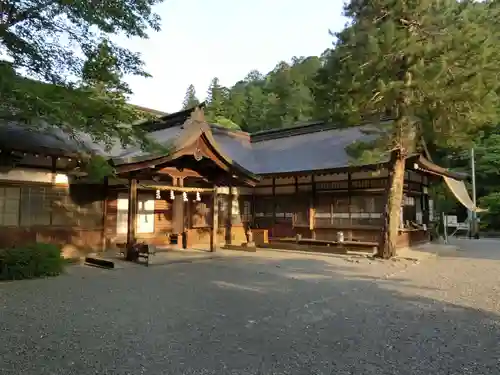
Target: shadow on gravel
point(487, 249)
point(242, 315)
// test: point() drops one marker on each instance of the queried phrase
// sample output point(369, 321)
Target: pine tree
point(430, 64)
point(190, 99)
point(216, 100)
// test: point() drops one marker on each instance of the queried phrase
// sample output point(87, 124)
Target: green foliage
point(491, 218)
point(32, 261)
point(61, 69)
point(430, 65)
point(216, 99)
point(97, 168)
point(281, 98)
point(225, 122)
point(190, 99)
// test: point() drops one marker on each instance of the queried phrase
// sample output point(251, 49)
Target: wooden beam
point(176, 188)
point(132, 212)
point(174, 172)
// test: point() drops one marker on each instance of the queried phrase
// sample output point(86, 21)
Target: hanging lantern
point(158, 195)
point(184, 197)
point(198, 198)
point(172, 196)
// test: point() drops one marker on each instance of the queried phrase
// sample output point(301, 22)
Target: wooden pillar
point(105, 213)
point(298, 204)
point(178, 212)
point(215, 221)
point(53, 169)
point(273, 221)
point(132, 211)
point(252, 209)
point(349, 201)
point(229, 218)
point(312, 208)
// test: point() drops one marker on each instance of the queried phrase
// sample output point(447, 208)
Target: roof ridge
point(232, 132)
point(307, 128)
point(170, 120)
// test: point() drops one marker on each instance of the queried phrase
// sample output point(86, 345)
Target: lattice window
point(409, 208)
point(63, 208)
point(36, 206)
point(334, 210)
point(9, 206)
point(285, 208)
point(246, 210)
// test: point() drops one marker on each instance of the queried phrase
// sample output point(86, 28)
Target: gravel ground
point(263, 313)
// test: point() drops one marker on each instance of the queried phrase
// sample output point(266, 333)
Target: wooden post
point(178, 208)
point(105, 213)
point(215, 221)
point(297, 205)
point(229, 219)
point(273, 221)
point(349, 201)
point(312, 208)
point(252, 209)
point(132, 212)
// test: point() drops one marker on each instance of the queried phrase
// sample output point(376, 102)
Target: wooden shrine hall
point(205, 187)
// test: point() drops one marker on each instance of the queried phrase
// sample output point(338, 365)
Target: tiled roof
point(309, 147)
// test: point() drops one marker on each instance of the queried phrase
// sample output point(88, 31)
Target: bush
point(28, 262)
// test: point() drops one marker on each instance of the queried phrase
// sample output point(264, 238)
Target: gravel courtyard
point(263, 313)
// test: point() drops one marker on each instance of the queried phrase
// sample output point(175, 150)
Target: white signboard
point(451, 221)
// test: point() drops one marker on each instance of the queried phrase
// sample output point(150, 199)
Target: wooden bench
point(325, 245)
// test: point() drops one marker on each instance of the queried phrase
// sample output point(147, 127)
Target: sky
point(202, 39)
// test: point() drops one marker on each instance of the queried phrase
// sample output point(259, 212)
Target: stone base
point(242, 247)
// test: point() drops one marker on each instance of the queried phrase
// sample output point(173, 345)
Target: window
point(62, 208)
point(9, 206)
point(341, 210)
point(36, 206)
point(367, 210)
point(246, 215)
point(145, 214)
point(285, 206)
point(263, 211)
point(409, 210)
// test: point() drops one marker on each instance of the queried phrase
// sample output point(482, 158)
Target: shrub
point(31, 261)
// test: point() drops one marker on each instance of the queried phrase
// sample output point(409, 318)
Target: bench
point(325, 245)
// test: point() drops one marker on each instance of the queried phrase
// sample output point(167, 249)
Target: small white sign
point(451, 220)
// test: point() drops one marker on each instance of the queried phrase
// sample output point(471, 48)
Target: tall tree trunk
point(394, 195)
